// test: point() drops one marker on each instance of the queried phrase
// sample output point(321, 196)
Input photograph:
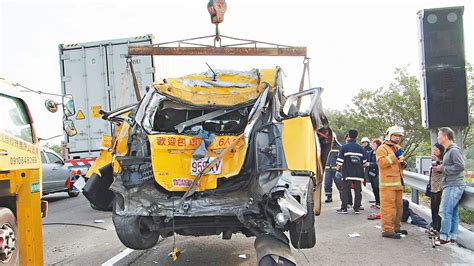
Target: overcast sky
point(352, 44)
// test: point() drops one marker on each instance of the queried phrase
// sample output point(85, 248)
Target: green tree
point(467, 133)
point(340, 122)
point(56, 148)
point(376, 110)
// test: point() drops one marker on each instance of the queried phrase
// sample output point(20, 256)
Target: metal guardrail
point(418, 182)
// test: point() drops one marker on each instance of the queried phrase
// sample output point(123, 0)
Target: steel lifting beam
point(195, 46)
point(216, 51)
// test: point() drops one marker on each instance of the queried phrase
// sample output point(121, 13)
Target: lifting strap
point(135, 83)
point(123, 86)
point(305, 69)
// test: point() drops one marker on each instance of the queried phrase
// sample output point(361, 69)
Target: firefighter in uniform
point(391, 163)
point(330, 171)
point(350, 166)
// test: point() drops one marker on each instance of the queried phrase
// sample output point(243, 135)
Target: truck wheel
point(270, 261)
point(302, 232)
point(108, 209)
point(133, 231)
point(8, 247)
point(72, 193)
point(70, 189)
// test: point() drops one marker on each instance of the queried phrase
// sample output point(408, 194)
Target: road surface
point(75, 234)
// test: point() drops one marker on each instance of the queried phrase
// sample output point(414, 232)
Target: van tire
point(270, 261)
point(72, 193)
point(302, 232)
point(133, 232)
point(70, 188)
point(108, 209)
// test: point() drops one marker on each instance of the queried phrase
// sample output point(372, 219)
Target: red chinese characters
point(193, 142)
point(181, 142)
point(171, 141)
point(160, 141)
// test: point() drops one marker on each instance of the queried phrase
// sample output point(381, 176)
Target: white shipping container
point(92, 73)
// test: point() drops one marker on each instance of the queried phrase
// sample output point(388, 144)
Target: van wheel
point(70, 189)
point(95, 207)
point(302, 232)
point(72, 193)
point(8, 246)
point(134, 231)
point(270, 261)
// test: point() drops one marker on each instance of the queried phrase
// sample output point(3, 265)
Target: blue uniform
point(330, 171)
point(351, 159)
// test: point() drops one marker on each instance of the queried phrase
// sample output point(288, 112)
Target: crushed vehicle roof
point(219, 88)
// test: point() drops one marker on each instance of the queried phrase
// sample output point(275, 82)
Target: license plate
point(198, 165)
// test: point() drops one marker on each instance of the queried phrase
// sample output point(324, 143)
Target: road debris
point(354, 235)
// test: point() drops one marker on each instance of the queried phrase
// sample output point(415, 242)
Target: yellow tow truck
point(21, 208)
point(20, 182)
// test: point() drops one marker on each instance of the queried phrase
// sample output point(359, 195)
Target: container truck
point(92, 73)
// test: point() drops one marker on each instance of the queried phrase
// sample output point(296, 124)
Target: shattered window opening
point(171, 114)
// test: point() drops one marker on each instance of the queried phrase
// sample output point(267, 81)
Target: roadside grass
point(465, 216)
point(468, 179)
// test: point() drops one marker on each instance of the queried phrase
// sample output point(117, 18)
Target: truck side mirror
point(69, 128)
point(68, 105)
point(51, 105)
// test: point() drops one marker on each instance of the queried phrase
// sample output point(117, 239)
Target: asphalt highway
point(75, 234)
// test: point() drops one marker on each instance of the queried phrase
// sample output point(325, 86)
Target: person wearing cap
point(391, 163)
point(365, 143)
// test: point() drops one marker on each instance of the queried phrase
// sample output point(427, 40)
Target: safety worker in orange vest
point(391, 163)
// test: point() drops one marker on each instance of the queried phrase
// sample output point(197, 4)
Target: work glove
point(338, 175)
point(399, 152)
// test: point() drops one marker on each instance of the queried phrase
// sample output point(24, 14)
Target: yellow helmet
point(394, 130)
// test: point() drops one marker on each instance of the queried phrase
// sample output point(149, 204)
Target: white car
point(56, 176)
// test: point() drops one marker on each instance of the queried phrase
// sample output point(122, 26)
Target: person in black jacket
point(436, 192)
point(330, 171)
point(373, 172)
point(367, 145)
point(350, 166)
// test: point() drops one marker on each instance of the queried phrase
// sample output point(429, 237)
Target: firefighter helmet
point(394, 130)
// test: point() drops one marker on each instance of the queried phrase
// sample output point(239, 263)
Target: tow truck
point(21, 208)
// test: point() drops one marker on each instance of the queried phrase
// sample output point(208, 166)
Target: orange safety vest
point(390, 172)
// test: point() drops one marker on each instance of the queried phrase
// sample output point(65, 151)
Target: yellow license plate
point(198, 165)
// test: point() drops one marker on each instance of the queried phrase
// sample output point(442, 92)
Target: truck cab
point(20, 182)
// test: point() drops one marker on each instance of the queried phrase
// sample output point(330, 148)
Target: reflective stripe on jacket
point(390, 172)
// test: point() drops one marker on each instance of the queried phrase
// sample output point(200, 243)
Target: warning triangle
point(80, 116)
